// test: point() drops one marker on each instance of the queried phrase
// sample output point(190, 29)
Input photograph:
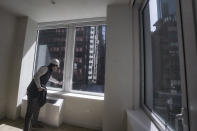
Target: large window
point(51, 44)
point(162, 86)
point(80, 47)
point(89, 59)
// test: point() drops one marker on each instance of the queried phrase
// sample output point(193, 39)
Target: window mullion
point(69, 59)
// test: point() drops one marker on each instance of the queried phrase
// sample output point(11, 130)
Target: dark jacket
point(42, 77)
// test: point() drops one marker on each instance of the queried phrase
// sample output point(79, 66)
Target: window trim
point(67, 23)
point(70, 25)
point(159, 124)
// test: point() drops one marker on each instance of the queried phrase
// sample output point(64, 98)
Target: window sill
point(64, 94)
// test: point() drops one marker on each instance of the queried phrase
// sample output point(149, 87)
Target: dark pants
point(33, 109)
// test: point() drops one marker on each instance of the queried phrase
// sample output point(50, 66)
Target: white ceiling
point(45, 11)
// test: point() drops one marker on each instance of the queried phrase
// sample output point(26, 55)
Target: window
point(89, 74)
point(51, 44)
point(162, 88)
point(80, 47)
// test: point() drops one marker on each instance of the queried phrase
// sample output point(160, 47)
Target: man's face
point(54, 68)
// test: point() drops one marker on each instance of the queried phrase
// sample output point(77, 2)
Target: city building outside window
point(88, 74)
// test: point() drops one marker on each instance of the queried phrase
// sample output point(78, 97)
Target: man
point(36, 93)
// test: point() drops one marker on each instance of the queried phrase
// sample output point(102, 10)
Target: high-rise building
point(80, 69)
point(89, 59)
point(101, 55)
point(91, 54)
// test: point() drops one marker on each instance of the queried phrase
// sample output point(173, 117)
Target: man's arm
point(37, 76)
point(51, 79)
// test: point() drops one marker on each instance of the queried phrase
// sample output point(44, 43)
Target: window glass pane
point(51, 44)
point(162, 67)
point(89, 59)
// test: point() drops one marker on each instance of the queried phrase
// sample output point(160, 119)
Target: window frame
point(70, 25)
point(159, 124)
point(157, 120)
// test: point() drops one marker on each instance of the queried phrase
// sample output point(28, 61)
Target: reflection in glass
point(162, 67)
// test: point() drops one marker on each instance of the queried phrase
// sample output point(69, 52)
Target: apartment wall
point(14, 67)
point(21, 65)
point(119, 68)
point(28, 54)
point(23, 61)
point(13, 30)
point(7, 33)
point(83, 110)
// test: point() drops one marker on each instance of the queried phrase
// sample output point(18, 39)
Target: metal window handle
point(179, 117)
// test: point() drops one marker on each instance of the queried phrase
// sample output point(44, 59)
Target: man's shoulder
point(43, 68)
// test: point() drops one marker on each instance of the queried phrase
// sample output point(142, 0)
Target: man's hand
point(60, 83)
point(40, 89)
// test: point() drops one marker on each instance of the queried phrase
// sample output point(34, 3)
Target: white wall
point(119, 68)
point(14, 66)
point(84, 111)
point(22, 65)
point(26, 73)
point(7, 33)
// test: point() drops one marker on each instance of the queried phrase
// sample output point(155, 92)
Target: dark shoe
point(37, 125)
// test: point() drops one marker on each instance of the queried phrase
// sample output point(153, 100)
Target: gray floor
point(8, 125)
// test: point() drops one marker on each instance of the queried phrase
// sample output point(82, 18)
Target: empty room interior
point(98, 65)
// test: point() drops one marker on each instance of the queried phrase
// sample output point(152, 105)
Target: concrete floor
point(8, 125)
